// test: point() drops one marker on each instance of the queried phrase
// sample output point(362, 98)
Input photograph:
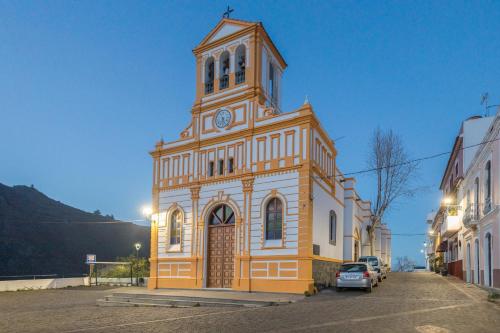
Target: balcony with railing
point(471, 216)
point(224, 82)
point(451, 223)
point(209, 87)
point(240, 77)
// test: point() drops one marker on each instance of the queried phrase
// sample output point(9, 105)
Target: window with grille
point(175, 228)
point(274, 219)
point(333, 227)
point(221, 167)
point(210, 169)
point(222, 214)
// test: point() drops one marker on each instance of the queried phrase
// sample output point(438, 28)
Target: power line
point(411, 161)
point(408, 234)
point(81, 222)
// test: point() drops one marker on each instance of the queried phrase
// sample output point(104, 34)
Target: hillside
point(39, 235)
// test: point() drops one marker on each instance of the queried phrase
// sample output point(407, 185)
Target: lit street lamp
point(447, 201)
point(147, 211)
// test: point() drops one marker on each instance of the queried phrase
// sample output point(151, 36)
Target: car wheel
point(379, 279)
point(369, 289)
point(338, 289)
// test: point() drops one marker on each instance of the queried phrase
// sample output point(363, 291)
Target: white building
point(464, 229)
point(249, 197)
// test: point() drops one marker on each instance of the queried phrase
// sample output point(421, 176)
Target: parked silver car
point(377, 264)
point(356, 275)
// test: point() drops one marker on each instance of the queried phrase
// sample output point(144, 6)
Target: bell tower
point(237, 60)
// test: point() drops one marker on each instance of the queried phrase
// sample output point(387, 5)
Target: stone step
point(104, 302)
point(197, 298)
point(123, 299)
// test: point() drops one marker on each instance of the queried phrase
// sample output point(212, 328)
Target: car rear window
point(371, 261)
point(353, 268)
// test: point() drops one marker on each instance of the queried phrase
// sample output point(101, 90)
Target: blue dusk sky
point(88, 87)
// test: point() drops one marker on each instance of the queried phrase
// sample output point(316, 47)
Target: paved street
point(405, 302)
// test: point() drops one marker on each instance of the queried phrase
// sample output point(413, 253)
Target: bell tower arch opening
point(209, 75)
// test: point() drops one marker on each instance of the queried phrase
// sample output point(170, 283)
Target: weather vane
point(228, 12)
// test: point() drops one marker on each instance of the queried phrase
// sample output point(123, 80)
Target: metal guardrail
point(470, 216)
point(39, 276)
point(474, 212)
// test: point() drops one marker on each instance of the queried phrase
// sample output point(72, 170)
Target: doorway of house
point(488, 269)
point(476, 266)
point(468, 275)
point(221, 242)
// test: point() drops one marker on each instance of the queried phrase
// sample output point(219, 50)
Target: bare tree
point(394, 173)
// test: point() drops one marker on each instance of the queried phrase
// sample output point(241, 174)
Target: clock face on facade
point(223, 118)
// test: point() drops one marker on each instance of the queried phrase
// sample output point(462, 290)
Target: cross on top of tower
point(228, 12)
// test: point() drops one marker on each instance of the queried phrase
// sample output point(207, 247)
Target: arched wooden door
point(221, 243)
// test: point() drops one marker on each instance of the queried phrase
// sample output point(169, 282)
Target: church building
point(249, 197)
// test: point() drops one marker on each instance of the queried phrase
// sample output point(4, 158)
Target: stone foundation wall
point(324, 273)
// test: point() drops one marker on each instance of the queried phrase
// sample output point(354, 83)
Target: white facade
point(250, 198)
point(465, 231)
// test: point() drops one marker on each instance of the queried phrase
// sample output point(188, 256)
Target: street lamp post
point(147, 212)
point(137, 248)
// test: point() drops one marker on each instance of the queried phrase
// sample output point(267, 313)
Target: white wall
point(15, 285)
point(286, 185)
point(348, 230)
point(323, 202)
point(474, 132)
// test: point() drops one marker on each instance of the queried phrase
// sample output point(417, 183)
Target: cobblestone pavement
point(405, 302)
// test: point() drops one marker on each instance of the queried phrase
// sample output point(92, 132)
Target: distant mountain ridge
point(39, 235)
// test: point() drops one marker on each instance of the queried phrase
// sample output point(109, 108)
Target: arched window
point(487, 187)
point(476, 198)
point(224, 70)
point(272, 85)
point(274, 219)
point(175, 228)
point(209, 75)
point(240, 64)
point(333, 228)
point(222, 214)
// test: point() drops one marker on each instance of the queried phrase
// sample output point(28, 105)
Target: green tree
point(140, 265)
